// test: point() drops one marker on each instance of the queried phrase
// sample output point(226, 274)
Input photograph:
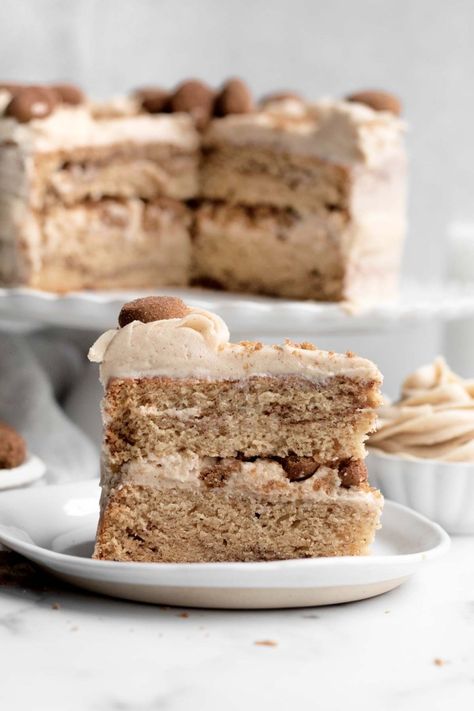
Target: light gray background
point(421, 49)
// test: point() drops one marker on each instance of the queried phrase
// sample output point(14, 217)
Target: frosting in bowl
point(434, 418)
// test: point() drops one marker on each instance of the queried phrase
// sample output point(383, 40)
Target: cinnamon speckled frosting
point(332, 130)
point(434, 418)
point(72, 127)
point(198, 345)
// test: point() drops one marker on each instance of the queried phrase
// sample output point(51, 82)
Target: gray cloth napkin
point(36, 372)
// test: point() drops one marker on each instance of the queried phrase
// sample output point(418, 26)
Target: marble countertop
point(413, 648)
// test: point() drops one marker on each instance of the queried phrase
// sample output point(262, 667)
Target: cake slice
point(215, 451)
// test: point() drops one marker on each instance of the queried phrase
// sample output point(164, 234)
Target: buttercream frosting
point(262, 477)
point(72, 127)
point(434, 418)
point(198, 346)
point(339, 131)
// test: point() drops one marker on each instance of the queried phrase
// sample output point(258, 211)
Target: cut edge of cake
point(316, 189)
point(216, 451)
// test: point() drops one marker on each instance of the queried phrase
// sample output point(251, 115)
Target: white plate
point(265, 316)
point(55, 527)
point(31, 470)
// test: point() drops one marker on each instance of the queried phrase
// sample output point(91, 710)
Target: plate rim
point(33, 463)
point(442, 546)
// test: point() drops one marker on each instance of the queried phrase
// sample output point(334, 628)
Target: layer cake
point(282, 197)
point(215, 451)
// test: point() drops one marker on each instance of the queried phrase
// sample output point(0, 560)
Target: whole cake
point(201, 186)
point(215, 451)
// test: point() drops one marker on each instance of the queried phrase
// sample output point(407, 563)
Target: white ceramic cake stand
point(247, 315)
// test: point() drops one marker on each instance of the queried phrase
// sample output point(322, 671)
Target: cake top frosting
point(434, 418)
point(341, 131)
point(198, 345)
point(79, 126)
point(361, 128)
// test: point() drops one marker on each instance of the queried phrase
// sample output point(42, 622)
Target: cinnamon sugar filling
point(351, 472)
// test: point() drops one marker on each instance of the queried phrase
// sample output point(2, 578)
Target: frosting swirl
point(434, 418)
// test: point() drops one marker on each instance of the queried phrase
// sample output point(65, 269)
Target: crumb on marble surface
point(438, 662)
point(266, 643)
point(184, 615)
point(55, 606)
point(18, 573)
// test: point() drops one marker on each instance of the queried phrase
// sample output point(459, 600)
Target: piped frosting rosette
point(434, 419)
point(422, 453)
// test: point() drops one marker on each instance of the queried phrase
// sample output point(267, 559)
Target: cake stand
point(249, 316)
point(398, 335)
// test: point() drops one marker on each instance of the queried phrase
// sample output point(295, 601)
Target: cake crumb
point(307, 346)
point(266, 643)
point(438, 662)
point(184, 615)
point(252, 345)
point(55, 606)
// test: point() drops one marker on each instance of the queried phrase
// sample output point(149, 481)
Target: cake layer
point(253, 416)
point(325, 256)
point(103, 244)
point(124, 170)
point(142, 523)
point(270, 251)
point(306, 159)
point(73, 154)
point(256, 175)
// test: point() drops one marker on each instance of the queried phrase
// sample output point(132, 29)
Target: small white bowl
point(441, 491)
point(33, 468)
